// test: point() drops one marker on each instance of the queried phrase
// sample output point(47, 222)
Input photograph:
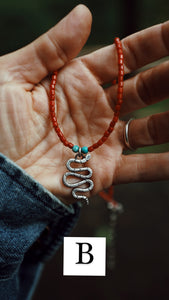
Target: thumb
point(53, 49)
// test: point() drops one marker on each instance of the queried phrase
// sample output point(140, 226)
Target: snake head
point(82, 160)
point(88, 156)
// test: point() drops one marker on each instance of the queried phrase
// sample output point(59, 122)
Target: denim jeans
point(33, 223)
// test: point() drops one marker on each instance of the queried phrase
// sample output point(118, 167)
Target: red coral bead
point(55, 124)
point(107, 133)
point(52, 113)
point(121, 68)
point(120, 78)
point(63, 139)
point(117, 107)
point(119, 96)
point(121, 72)
point(104, 138)
point(53, 82)
point(112, 124)
point(100, 142)
point(70, 145)
point(120, 51)
point(117, 40)
point(120, 84)
point(52, 92)
point(54, 77)
point(52, 108)
point(118, 45)
point(52, 103)
point(110, 129)
point(66, 143)
point(119, 101)
point(60, 134)
point(58, 130)
point(120, 90)
point(52, 97)
point(120, 61)
point(91, 149)
point(95, 146)
point(54, 119)
point(115, 119)
point(116, 114)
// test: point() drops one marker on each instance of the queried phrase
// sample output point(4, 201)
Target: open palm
point(84, 108)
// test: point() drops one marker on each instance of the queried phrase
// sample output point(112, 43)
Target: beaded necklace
point(82, 153)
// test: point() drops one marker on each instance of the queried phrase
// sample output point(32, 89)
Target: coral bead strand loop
point(113, 122)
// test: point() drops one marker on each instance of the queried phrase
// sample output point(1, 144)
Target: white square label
point(84, 256)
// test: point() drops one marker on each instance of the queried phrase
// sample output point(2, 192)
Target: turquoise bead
point(84, 150)
point(75, 148)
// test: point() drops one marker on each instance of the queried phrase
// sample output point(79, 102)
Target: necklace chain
point(112, 124)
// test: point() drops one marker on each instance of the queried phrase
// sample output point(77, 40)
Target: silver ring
point(126, 135)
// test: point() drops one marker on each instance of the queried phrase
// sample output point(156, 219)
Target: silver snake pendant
point(80, 159)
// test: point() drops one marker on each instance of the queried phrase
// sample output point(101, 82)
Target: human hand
point(84, 108)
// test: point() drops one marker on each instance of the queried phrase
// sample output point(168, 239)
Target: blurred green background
point(23, 21)
point(142, 242)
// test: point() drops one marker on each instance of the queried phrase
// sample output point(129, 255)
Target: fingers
point(152, 130)
point(139, 50)
point(54, 48)
point(144, 89)
point(142, 168)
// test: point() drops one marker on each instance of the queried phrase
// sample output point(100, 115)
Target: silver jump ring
point(80, 154)
point(126, 135)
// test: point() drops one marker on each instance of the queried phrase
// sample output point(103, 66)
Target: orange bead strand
point(119, 102)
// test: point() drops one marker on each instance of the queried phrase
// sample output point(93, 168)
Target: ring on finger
point(126, 135)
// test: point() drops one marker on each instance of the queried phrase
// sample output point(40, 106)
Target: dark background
point(142, 242)
point(22, 21)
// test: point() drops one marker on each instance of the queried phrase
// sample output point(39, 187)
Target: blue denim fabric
point(33, 223)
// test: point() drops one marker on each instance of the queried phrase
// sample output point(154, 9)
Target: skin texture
point(84, 108)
